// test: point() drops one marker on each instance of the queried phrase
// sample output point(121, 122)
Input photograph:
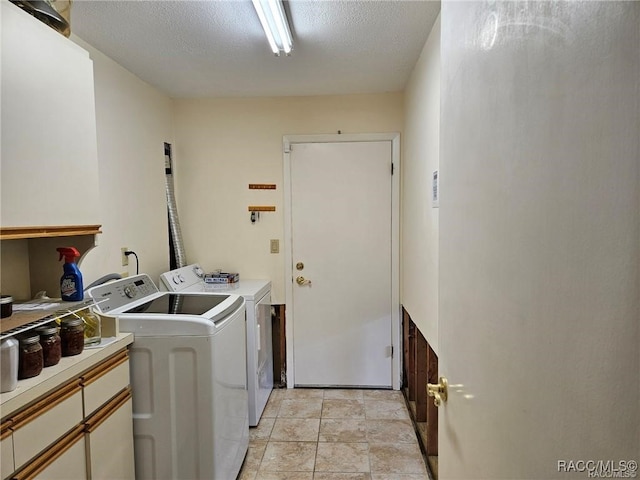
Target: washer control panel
point(181, 278)
point(123, 292)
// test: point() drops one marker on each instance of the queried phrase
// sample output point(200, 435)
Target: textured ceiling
point(217, 48)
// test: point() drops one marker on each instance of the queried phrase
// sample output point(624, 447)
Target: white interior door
point(539, 240)
point(341, 224)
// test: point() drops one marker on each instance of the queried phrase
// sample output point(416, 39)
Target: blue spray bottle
point(71, 282)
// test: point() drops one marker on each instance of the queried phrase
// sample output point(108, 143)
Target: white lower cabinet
point(80, 430)
point(65, 460)
point(43, 423)
point(69, 465)
point(6, 450)
point(110, 441)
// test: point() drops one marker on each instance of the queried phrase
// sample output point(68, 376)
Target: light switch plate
point(275, 245)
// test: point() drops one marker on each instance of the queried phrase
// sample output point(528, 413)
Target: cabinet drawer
point(6, 451)
point(46, 421)
point(64, 461)
point(105, 381)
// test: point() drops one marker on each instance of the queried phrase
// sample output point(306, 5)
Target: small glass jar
point(51, 344)
point(72, 336)
point(30, 360)
point(6, 306)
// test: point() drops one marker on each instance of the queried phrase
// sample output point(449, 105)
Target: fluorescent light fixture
point(274, 22)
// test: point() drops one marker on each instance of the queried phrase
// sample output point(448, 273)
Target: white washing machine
point(188, 376)
point(257, 295)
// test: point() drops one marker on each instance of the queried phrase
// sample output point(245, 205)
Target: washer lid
point(176, 315)
point(180, 304)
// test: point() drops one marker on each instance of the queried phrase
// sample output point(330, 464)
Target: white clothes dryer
point(257, 296)
point(188, 376)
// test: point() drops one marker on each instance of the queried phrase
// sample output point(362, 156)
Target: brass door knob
point(439, 391)
point(302, 281)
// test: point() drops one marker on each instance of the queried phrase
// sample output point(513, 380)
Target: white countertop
point(68, 368)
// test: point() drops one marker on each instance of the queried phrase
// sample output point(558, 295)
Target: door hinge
point(391, 350)
point(392, 168)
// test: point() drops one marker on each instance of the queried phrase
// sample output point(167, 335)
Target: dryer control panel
point(181, 278)
point(123, 292)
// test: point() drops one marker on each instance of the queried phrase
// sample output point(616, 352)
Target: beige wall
point(14, 274)
point(222, 145)
point(133, 120)
point(419, 220)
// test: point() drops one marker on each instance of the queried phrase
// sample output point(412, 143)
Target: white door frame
point(394, 138)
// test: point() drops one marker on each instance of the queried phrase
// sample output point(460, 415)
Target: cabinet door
point(71, 464)
point(111, 430)
point(6, 451)
point(49, 149)
point(42, 424)
point(65, 460)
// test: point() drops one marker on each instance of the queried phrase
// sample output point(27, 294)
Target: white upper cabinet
point(49, 162)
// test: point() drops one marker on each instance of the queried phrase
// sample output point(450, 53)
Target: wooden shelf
point(262, 208)
point(20, 319)
point(14, 233)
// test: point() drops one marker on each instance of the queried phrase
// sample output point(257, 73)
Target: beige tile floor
point(327, 434)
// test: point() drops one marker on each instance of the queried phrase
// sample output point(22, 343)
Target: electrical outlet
point(124, 274)
point(125, 259)
point(275, 245)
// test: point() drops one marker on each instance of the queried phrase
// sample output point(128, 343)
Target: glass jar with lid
point(51, 344)
point(72, 335)
point(30, 360)
point(6, 306)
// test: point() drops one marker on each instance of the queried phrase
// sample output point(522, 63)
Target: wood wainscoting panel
point(420, 366)
point(279, 343)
